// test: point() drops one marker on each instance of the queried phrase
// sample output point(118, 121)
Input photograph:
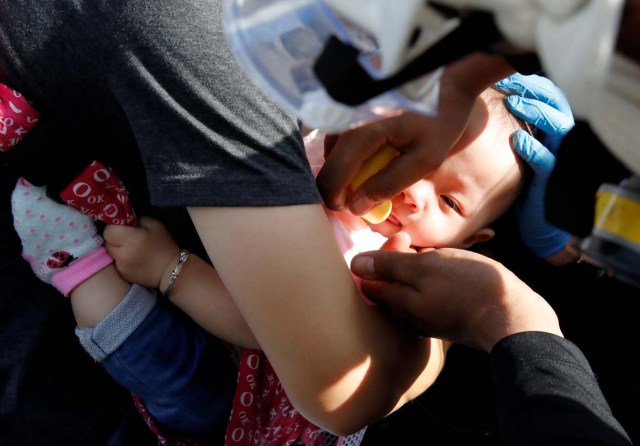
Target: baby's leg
point(185, 377)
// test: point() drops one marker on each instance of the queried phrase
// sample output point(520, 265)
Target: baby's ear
point(481, 235)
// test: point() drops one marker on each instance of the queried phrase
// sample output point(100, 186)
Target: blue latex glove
point(536, 100)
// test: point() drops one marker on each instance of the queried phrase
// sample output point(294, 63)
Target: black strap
point(348, 82)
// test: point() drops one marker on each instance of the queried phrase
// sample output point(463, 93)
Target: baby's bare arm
point(148, 254)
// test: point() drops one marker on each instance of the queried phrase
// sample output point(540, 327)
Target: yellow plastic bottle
point(373, 165)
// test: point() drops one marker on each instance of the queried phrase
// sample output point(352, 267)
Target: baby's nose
point(414, 198)
point(406, 202)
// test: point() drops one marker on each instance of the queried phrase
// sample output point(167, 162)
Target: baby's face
point(475, 184)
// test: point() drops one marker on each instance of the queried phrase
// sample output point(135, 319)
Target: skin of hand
point(131, 246)
point(148, 254)
point(457, 295)
point(423, 141)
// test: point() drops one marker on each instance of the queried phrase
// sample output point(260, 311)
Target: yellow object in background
point(617, 215)
point(372, 166)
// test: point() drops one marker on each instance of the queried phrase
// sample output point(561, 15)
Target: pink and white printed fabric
point(262, 414)
point(99, 193)
point(17, 117)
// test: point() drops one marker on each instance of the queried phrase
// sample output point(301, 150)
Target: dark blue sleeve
point(547, 394)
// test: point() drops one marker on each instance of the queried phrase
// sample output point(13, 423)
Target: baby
point(456, 204)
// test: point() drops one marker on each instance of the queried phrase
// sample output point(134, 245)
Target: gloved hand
point(536, 100)
point(61, 244)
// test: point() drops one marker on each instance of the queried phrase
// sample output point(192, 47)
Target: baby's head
point(478, 181)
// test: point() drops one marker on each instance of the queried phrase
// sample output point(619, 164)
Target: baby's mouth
point(394, 220)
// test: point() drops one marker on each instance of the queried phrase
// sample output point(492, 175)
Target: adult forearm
point(546, 393)
point(474, 73)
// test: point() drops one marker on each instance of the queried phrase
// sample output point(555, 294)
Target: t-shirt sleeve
point(208, 136)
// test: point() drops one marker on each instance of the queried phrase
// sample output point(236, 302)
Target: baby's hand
point(142, 253)
point(400, 241)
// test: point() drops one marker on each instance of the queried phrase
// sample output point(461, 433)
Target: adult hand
point(423, 141)
point(130, 247)
point(538, 101)
point(412, 135)
point(60, 243)
point(453, 294)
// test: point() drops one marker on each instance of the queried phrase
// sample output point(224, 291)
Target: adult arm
point(212, 142)
point(453, 294)
point(545, 390)
point(547, 394)
point(299, 307)
point(342, 362)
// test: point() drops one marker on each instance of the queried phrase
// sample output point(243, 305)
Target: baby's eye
point(452, 204)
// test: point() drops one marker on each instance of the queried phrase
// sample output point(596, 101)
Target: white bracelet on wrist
point(184, 255)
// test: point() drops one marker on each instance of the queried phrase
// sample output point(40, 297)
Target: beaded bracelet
point(184, 255)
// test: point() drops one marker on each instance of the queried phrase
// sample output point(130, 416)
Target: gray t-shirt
point(159, 73)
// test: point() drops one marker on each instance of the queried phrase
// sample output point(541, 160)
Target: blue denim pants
point(185, 377)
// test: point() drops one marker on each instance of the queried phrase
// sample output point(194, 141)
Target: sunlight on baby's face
point(475, 184)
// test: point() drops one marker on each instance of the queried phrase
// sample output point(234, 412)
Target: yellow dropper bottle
point(373, 165)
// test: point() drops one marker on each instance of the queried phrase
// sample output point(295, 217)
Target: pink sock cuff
point(80, 270)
